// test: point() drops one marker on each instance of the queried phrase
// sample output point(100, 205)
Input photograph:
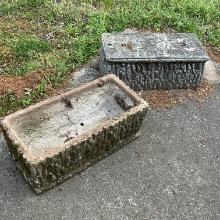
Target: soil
point(19, 84)
point(213, 53)
point(162, 99)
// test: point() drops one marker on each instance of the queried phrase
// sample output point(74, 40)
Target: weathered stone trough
point(147, 61)
point(57, 138)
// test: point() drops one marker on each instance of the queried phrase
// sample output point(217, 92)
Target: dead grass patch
point(162, 99)
point(19, 84)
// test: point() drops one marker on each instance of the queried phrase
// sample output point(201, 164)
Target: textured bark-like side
point(155, 75)
point(54, 170)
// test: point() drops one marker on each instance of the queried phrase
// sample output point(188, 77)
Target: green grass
point(25, 68)
point(40, 34)
point(26, 47)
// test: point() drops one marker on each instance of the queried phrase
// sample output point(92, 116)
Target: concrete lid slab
point(47, 128)
point(150, 47)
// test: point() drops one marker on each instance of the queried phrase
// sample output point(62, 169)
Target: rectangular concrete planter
point(57, 138)
point(147, 61)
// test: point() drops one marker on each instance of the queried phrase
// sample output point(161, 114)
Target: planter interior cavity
point(153, 60)
point(59, 137)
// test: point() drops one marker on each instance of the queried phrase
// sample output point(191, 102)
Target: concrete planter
point(57, 138)
point(147, 61)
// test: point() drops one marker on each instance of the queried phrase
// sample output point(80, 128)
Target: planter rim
point(22, 148)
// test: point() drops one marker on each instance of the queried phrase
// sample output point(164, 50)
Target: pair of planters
point(57, 138)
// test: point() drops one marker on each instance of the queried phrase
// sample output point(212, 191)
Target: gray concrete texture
point(63, 135)
point(172, 171)
point(151, 47)
point(146, 61)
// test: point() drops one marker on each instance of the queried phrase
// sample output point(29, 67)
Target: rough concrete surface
point(172, 171)
point(56, 139)
point(151, 47)
point(211, 71)
point(147, 61)
point(89, 109)
point(86, 74)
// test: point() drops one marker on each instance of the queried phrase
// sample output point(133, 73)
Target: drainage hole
point(82, 124)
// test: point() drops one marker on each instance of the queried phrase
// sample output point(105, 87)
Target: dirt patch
point(19, 84)
point(162, 99)
point(214, 53)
